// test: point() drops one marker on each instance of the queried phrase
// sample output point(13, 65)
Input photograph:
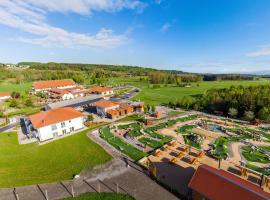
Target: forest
point(246, 103)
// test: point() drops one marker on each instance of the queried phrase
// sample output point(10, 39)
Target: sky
point(214, 36)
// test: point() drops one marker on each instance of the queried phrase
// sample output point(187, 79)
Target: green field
point(156, 96)
point(101, 196)
point(55, 161)
point(10, 87)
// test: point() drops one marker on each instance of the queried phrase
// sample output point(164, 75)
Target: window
point(63, 124)
point(71, 129)
point(54, 127)
point(64, 132)
point(55, 134)
point(69, 121)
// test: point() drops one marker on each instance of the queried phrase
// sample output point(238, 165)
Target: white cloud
point(165, 27)
point(30, 16)
point(86, 6)
point(259, 53)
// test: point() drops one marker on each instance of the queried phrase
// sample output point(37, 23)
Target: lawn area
point(185, 128)
point(156, 96)
point(121, 145)
point(101, 196)
point(175, 113)
point(10, 87)
point(134, 117)
point(55, 161)
point(254, 156)
point(258, 169)
point(151, 142)
point(26, 111)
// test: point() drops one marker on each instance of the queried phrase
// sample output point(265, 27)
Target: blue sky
point(217, 36)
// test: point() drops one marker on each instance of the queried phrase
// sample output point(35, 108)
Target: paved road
point(7, 127)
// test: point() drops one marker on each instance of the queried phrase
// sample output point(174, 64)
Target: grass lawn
point(10, 87)
point(122, 145)
point(175, 113)
point(26, 111)
point(151, 142)
point(258, 169)
point(55, 161)
point(134, 117)
point(266, 148)
point(254, 156)
point(101, 196)
point(172, 93)
point(185, 128)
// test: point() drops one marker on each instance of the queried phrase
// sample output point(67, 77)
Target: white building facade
point(59, 129)
point(54, 123)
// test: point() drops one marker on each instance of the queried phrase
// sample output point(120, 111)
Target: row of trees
point(224, 77)
point(237, 102)
point(160, 77)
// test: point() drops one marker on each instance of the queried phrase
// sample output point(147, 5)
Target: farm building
point(5, 95)
point(101, 90)
point(217, 184)
point(53, 123)
point(112, 109)
point(103, 106)
point(66, 94)
point(42, 86)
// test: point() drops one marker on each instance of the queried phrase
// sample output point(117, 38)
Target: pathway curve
point(235, 153)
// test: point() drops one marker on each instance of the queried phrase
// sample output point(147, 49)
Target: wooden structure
point(173, 161)
point(157, 153)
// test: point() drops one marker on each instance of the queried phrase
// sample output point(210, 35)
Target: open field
point(103, 196)
point(12, 87)
point(55, 161)
point(156, 96)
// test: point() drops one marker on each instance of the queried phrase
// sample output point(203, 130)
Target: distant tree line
point(161, 77)
point(224, 77)
point(80, 73)
point(236, 102)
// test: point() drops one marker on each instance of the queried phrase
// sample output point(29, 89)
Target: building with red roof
point(55, 122)
point(217, 184)
point(41, 86)
point(5, 95)
point(101, 90)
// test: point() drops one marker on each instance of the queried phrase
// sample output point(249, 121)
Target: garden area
point(135, 129)
point(121, 145)
point(151, 142)
point(190, 138)
point(56, 161)
point(253, 155)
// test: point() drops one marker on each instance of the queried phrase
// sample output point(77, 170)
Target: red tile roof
point(100, 89)
point(54, 116)
point(103, 103)
point(52, 84)
point(217, 184)
point(4, 94)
